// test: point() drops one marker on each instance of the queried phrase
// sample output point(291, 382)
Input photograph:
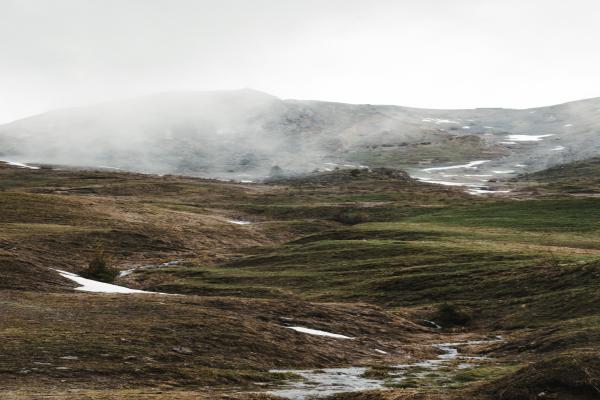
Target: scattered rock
point(182, 350)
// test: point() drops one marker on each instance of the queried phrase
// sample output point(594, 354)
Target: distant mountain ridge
point(242, 134)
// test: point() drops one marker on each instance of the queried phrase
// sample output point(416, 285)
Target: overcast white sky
point(423, 53)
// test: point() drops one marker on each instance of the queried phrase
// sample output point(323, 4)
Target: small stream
point(328, 381)
point(148, 267)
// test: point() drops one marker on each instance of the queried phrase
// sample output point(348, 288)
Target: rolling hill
point(243, 134)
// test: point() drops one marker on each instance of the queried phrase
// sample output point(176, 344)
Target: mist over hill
point(243, 134)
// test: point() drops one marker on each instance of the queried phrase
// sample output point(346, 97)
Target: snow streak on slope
point(318, 332)
point(89, 285)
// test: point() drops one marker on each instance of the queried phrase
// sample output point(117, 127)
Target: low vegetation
point(99, 268)
point(366, 254)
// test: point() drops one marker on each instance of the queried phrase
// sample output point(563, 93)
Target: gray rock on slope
point(243, 134)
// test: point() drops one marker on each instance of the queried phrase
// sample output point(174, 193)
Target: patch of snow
point(508, 142)
point(326, 382)
point(318, 332)
point(466, 127)
point(486, 191)
point(444, 183)
point(381, 351)
point(20, 165)
point(520, 165)
point(558, 148)
point(246, 181)
point(436, 326)
point(238, 222)
point(89, 285)
point(527, 138)
point(508, 171)
point(568, 125)
point(489, 127)
point(439, 121)
point(329, 381)
point(471, 165)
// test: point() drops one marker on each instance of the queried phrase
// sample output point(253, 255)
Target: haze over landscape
point(299, 199)
point(428, 54)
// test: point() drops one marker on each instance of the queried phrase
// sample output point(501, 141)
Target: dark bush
point(99, 268)
point(351, 217)
point(449, 315)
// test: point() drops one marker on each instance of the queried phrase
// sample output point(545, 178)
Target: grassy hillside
point(576, 178)
point(528, 269)
point(371, 255)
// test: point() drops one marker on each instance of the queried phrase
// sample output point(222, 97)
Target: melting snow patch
point(238, 222)
point(444, 183)
point(508, 171)
point(326, 382)
point(527, 138)
point(466, 127)
point(439, 121)
point(436, 326)
point(20, 165)
point(88, 285)
point(508, 142)
point(558, 148)
point(568, 125)
point(477, 192)
point(381, 351)
point(471, 165)
point(318, 332)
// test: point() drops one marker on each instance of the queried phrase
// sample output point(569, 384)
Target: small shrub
point(451, 315)
point(99, 268)
point(351, 217)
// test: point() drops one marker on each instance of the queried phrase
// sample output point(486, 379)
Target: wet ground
point(329, 381)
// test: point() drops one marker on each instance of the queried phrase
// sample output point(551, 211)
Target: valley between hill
point(433, 293)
